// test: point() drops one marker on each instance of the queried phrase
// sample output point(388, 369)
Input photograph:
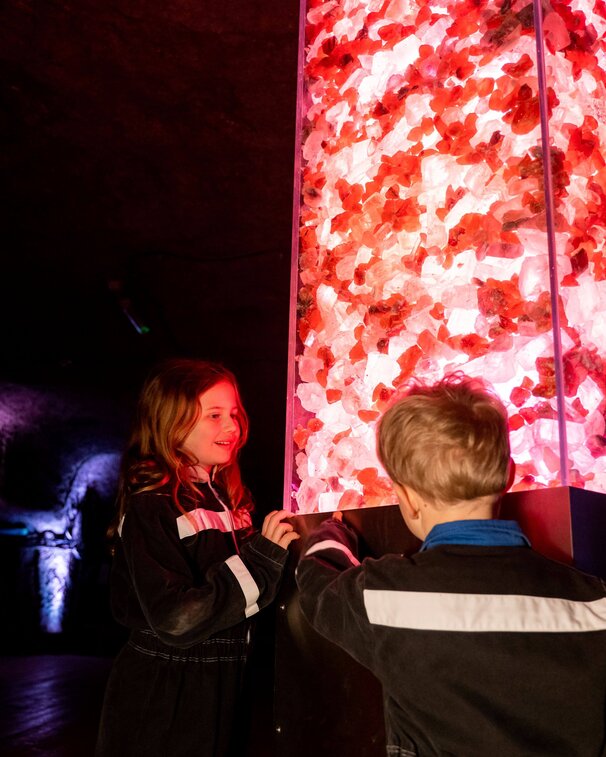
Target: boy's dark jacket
point(517, 670)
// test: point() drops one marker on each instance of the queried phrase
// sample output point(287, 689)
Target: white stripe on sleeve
point(332, 544)
point(509, 613)
point(247, 584)
point(199, 519)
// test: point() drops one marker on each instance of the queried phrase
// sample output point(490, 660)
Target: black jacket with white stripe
point(481, 650)
point(186, 577)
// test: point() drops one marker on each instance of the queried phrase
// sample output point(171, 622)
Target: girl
point(189, 571)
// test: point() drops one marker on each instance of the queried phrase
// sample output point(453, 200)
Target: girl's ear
point(511, 474)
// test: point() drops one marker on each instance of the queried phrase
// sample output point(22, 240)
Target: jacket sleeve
point(183, 610)
point(331, 582)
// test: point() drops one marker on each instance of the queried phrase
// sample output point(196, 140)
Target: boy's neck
point(482, 508)
point(421, 515)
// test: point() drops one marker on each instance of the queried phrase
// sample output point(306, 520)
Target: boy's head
point(448, 441)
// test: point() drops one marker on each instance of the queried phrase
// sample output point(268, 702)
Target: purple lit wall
point(433, 235)
point(57, 484)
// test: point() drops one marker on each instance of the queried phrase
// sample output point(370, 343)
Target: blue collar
point(487, 533)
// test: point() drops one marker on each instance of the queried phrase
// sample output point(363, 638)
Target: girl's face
point(212, 441)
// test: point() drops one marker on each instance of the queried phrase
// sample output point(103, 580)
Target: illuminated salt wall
point(432, 235)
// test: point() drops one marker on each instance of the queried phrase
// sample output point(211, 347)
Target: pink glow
point(422, 231)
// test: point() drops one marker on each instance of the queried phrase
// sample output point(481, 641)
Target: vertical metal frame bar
point(294, 268)
point(551, 244)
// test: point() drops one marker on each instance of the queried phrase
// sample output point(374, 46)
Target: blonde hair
point(168, 408)
point(448, 441)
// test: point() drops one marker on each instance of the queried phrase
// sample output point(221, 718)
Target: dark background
point(146, 174)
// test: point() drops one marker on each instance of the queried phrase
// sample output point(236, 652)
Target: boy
point(484, 648)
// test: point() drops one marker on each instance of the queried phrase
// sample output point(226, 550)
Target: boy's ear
point(406, 502)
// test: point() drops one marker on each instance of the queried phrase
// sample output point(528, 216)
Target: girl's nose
point(231, 425)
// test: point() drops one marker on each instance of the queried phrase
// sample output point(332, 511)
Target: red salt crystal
point(579, 261)
point(426, 341)
point(357, 352)
point(524, 116)
point(300, 436)
point(341, 435)
point(519, 396)
point(500, 298)
point(350, 499)
point(584, 139)
point(407, 362)
point(314, 424)
point(520, 68)
point(529, 415)
point(581, 61)
point(308, 238)
point(556, 34)
point(515, 422)
point(360, 274)
point(402, 214)
point(456, 64)
point(325, 354)
point(350, 194)
point(376, 492)
point(599, 267)
point(333, 395)
point(322, 377)
point(340, 222)
point(393, 32)
point(381, 396)
point(443, 333)
point(444, 98)
point(416, 134)
point(383, 346)
point(423, 16)
point(596, 445)
point(578, 407)
point(329, 45)
point(570, 280)
point(485, 86)
point(367, 476)
point(414, 262)
point(471, 344)
point(546, 388)
point(504, 94)
point(368, 415)
point(463, 27)
point(545, 367)
point(502, 342)
point(303, 330)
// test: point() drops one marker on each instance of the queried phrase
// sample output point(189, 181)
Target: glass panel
point(575, 62)
point(422, 235)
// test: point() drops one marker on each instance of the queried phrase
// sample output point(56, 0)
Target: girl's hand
point(276, 529)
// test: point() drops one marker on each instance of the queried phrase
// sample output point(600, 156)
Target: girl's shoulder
point(150, 501)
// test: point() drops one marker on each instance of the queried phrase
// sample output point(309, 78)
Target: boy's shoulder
point(482, 569)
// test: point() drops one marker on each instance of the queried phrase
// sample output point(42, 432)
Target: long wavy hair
point(168, 408)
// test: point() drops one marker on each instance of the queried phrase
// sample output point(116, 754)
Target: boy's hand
point(277, 530)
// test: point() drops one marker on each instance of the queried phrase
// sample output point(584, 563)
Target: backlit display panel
point(423, 241)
